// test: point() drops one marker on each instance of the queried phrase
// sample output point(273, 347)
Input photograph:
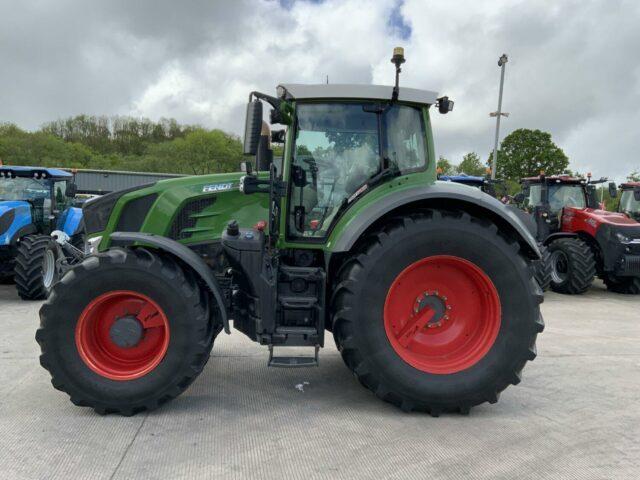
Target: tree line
point(122, 143)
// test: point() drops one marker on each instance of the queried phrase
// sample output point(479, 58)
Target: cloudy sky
point(573, 65)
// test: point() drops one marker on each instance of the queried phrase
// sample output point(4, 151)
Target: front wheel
point(626, 285)
point(125, 331)
point(437, 312)
point(573, 266)
point(36, 266)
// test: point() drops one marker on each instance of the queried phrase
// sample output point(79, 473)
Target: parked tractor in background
point(581, 239)
point(425, 285)
point(34, 203)
point(630, 200)
point(495, 188)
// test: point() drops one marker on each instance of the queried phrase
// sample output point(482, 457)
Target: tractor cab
point(35, 195)
point(630, 200)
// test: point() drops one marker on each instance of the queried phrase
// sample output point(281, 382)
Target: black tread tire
point(542, 269)
point(357, 319)
point(582, 266)
point(29, 264)
point(625, 285)
point(175, 289)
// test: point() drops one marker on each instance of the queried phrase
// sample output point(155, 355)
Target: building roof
point(297, 91)
point(31, 171)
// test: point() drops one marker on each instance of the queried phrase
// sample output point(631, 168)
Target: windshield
point(21, 188)
point(338, 147)
point(560, 196)
point(628, 203)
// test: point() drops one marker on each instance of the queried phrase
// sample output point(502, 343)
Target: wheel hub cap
point(442, 314)
point(122, 335)
point(126, 332)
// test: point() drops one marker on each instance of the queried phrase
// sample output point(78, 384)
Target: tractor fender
point(557, 235)
point(185, 254)
point(440, 192)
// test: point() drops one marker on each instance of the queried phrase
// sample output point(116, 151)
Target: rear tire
point(573, 266)
point(626, 285)
point(409, 379)
point(35, 268)
point(77, 325)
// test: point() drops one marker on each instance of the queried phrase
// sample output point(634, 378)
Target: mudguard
point(70, 222)
point(185, 254)
point(445, 191)
point(19, 214)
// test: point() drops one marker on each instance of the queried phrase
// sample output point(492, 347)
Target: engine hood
point(7, 205)
point(14, 215)
point(597, 217)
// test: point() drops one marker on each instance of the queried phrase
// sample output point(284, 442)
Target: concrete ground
point(576, 414)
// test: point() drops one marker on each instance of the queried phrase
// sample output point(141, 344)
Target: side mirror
point(636, 194)
point(445, 105)
point(252, 127)
point(613, 190)
point(71, 190)
point(519, 197)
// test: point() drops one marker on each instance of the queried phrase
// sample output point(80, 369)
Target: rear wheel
point(573, 266)
point(437, 312)
point(125, 331)
point(627, 285)
point(35, 268)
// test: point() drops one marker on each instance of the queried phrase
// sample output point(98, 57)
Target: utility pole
point(502, 61)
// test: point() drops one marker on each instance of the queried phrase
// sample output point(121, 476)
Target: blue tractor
point(486, 184)
point(41, 229)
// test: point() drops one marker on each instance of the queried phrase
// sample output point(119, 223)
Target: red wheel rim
point(442, 314)
point(97, 348)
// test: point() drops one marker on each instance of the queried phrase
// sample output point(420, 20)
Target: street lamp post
point(502, 61)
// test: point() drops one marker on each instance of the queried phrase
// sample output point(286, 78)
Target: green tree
point(472, 165)
point(445, 167)
point(634, 176)
point(524, 153)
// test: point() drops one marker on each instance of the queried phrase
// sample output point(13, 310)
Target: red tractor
point(582, 239)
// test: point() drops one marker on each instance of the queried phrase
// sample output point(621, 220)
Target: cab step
point(293, 361)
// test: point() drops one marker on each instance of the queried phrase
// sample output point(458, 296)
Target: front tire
point(625, 285)
point(125, 331)
point(35, 268)
point(437, 312)
point(542, 269)
point(573, 266)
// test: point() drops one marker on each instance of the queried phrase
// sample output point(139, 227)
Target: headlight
point(622, 238)
point(91, 246)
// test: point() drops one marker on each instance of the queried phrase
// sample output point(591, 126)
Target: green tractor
point(426, 286)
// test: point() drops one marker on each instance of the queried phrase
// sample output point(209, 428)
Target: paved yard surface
point(575, 415)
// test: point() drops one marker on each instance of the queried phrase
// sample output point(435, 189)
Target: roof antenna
point(397, 60)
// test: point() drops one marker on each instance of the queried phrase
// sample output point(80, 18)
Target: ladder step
point(293, 362)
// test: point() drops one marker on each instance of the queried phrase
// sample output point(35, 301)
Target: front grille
point(186, 219)
point(632, 264)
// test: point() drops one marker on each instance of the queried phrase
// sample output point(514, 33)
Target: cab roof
point(298, 91)
point(15, 171)
point(630, 185)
